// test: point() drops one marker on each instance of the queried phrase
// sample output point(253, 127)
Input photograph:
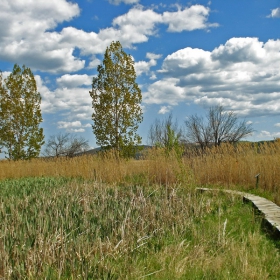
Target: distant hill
point(97, 150)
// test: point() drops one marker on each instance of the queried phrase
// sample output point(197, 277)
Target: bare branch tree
point(220, 126)
point(198, 131)
point(65, 145)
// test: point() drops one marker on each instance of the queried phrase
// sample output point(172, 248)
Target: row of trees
point(117, 113)
point(116, 103)
point(217, 127)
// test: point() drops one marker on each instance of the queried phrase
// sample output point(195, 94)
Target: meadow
point(102, 217)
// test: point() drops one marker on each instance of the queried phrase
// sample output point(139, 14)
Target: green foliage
point(116, 100)
point(167, 135)
point(20, 115)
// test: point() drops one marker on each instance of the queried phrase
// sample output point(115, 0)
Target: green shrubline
point(116, 100)
point(20, 115)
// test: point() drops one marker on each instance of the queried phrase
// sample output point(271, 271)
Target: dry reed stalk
point(226, 165)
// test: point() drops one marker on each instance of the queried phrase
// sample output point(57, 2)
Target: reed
point(58, 228)
point(154, 168)
point(235, 167)
point(226, 166)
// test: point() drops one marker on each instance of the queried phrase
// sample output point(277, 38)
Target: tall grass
point(228, 166)
point(154, 168)
point(237, 166)
point(56, 228)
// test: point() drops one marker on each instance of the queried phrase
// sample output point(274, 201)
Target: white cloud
point(36, 45)
point(144, 66)
point(94, 63)
point(240, 50)
point(153, 76)
point(275, 13)
point(73, 102)
point(164, 109)
point(153, 56)
point(264, 133)
point(26, 37)
point(268, 135)
point(77, 130)
point(75, 126)
point(192, 18)
point(62, 124)
point(164, 91)
point(243, 75)
point(71, 81)
point(117, 2)
point(277, 124)
point(30, 18)
point(137, 25)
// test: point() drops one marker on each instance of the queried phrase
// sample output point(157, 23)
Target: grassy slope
point(61, 228)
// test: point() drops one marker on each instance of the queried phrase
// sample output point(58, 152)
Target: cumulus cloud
point(275, 13)
point(242, 74)
point(26, 37)
point(194, 17)
point(164, 91)
point(73, 102)
point(28, 33)
point(277, 124)
point(144, 66)
point(138, 23)
point(72, 81)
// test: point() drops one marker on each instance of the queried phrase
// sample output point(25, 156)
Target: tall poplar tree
point(20, 115)
point(116, 100)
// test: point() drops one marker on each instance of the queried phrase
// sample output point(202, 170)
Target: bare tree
point(65, 145)
point(198, 131)
point(220, 126)
point(166, 133)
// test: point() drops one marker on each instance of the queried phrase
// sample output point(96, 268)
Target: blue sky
point(188, 55)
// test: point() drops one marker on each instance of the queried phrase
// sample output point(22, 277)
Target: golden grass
point(228, 166)
point(236, 167)
point(156, 168)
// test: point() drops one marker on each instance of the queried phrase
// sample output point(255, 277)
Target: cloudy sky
point(188, 55)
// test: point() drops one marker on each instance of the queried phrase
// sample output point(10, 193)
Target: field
point(68, 229)
point(108, 218)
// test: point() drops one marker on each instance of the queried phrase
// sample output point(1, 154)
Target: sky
point(188, 55)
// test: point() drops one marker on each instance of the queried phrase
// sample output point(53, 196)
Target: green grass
point(68, 229)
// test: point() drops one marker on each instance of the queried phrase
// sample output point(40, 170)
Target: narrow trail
point(270, 211)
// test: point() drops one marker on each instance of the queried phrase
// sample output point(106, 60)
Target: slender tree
point(20, 115)
point(116, 100)
point(166, 134)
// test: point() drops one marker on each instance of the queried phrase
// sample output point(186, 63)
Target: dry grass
point(227, 166)
point(137, 219)
point(236, 167)
point(156, 168)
